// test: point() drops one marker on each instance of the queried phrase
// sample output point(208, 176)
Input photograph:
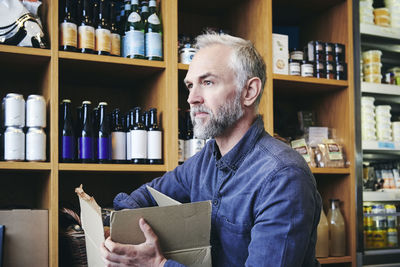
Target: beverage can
point(36, 111)
point(14, 144)
point(14, 110)
point(35, 144)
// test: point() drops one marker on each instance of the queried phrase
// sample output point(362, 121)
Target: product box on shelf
point(183, 229)
point(26, 237)
point(280, 50)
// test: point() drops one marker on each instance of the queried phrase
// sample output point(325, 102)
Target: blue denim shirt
point(265, 205)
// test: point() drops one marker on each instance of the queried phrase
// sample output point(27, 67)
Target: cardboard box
point(280, 51)
point(183, 229)
point(26, 237)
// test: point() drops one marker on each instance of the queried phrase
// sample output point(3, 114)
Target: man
point(265, 205)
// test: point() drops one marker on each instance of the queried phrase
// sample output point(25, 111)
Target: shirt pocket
point(236, 228)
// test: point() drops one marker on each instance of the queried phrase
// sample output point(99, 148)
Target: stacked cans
point(14, 108)
point(368, 123)
point(383, 123)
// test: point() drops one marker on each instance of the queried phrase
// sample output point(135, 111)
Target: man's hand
point(145, 254)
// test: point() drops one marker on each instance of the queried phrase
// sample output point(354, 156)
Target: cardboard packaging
point(183, 229)
point(280, 50)
point(26, 238)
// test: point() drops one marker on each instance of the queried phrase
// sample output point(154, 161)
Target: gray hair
point(246, 62)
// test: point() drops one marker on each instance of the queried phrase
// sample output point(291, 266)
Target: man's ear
point(251, 91)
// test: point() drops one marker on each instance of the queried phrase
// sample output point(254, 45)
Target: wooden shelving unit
point(125, 83)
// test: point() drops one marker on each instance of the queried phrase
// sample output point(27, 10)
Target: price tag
point(387, 145)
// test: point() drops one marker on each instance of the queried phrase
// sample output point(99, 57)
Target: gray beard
point(226, 115)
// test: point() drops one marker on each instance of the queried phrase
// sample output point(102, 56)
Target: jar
point(186, 55)
point(382, 21)
point(319, 47)
point(340, 52)
point(297, 55)
point(319, 69)
point(340, 68)
point(372, 68)
point(294, 67)
point(330, 70)
point(381, 12)
point(373, 78)
point(372, 56)
point(329, 49)
point(307, 69)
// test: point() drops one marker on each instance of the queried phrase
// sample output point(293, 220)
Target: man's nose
point(195, 96)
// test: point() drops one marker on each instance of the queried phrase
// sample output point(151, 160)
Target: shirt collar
point(236, 155)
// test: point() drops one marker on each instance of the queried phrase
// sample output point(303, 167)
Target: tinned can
point(14, 144)
point(35, 144)
point(14, 110)
point(36, 111)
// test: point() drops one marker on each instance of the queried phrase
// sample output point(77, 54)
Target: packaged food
point(373, 78)
point(300, 146)
point(372, 68)
point(382, 21)
point(372, 56)
point(329, 154)
point(381, 11)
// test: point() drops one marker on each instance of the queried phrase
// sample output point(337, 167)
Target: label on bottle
point(103, 148)
point(153, 44)
point(68, 34)
point(133, 43)
point(128, 146)
point(115, 44)
point(139, 144)
point(86, 37)
point(154, 146)
point(68, 147)
point(153, 19)
point(103, 40)
point(134, 17)
point(192, 146)
point(85, 148)
point(118, 144)
point(181, 150)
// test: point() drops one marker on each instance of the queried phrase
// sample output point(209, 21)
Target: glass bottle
point(181, 138)
point(189, 136)
point(86, 30)
point(322, 245)
point(68, 29)
point(95, 127)
point(67, 140)
point(153, 34)
point(103, 33)
point(133, 39)
point(337, 231)
point(85, 137)
point(138, 139)
point(115, 36)
point(118, 138)
point(154, 139)
point(104, 138)
point(144, 11)
point(130, 118)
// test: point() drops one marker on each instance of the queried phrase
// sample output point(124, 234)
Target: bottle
point(138, 140)
point(337, 231)
point(181, 138)
point(189, 136)
point(133, 40)
point(130, 118)
point(1, 137)
point(144, 11)
point(118, 138)
point(86, 29)
point(104, 136)
point(154, 139)
point(85, 136)
point(95, 127)
point(153, 36)
point(322, 245)
point(68, 29)
point(115, 36)
point(103, 33)
point(67, 140)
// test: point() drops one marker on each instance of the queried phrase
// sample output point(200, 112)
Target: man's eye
point(189, 86)
point(207, 82)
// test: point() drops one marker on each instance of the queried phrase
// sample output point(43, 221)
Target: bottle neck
point(334, 205)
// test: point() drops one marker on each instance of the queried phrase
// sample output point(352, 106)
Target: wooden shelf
point(23, 58)
point(111, 167)
point(182, 66)
point(25, 165)
point(298, 84)
point(333, 260)
point(330, 170)
point(29, 51)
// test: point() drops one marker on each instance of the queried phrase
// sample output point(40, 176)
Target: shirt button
point(215, 202)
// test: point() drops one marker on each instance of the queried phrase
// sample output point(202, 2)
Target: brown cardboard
point(183, 229)
point(26, 240)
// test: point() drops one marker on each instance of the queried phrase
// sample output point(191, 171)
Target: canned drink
point(14, 144)
point(35, 144)
point(392, 239)
point(14, 110)
point(391, 220)
point(36, 111)
point(379, 238)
